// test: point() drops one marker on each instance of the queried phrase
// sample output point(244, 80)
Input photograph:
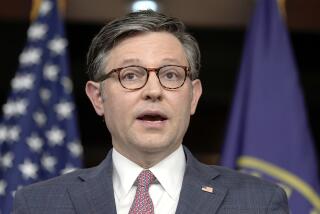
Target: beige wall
point(301, 14)
point(192, 12)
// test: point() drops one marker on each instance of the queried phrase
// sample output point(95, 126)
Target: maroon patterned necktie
point(142, 203)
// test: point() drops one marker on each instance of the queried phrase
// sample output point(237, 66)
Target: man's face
point(150, 121)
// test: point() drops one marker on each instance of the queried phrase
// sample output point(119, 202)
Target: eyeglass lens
point(134, 77)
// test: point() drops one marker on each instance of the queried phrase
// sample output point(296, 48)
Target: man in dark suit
point(143, 71)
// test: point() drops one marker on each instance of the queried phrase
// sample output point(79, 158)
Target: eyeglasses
point(134, 77)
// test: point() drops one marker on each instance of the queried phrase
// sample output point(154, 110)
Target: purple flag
point(38, 130)
point(268, 133)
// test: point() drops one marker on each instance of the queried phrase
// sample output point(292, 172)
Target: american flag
point(38, 129)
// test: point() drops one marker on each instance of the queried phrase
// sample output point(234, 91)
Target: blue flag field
point(38, 128)
point(268, 133)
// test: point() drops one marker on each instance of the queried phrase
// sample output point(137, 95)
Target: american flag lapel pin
point(207, 189)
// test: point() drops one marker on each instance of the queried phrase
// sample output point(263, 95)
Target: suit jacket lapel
point(192, 198)
point(94, 191)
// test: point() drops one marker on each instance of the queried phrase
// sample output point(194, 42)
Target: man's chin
point(154, 148)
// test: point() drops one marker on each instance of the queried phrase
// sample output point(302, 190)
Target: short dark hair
point(135, 23)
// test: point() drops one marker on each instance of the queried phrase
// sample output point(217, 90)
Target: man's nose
point(153, 89)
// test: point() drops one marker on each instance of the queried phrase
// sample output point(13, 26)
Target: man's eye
point(132, 74)
point(171, 75)
point(129, 76)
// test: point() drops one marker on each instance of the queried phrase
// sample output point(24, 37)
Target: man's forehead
point(164, 47)
point(136, 36)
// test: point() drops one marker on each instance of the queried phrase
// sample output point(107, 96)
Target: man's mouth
point(152, 117)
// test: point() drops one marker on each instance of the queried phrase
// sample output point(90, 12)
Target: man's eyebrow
point(170, 60)
point(130, 61)
point(136, 61)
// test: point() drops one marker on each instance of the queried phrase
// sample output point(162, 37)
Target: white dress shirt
point(164, 192)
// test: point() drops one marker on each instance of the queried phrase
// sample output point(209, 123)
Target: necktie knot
point(145, 178)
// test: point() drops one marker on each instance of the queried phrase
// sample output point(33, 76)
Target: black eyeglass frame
point(105, 76)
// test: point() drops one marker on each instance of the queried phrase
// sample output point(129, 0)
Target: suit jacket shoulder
point(232, 191)
point(82, 191)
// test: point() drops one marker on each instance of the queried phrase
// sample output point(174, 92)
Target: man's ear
point(196, 94)
point(93, 92)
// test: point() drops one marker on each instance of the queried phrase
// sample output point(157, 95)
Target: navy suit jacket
point(90, 191)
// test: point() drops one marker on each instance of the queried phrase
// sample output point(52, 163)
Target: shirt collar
point(169, 173)
point(124, 174)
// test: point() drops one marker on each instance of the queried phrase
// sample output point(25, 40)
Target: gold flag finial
point(282, 8)
point(36, 6)
point(35, 9)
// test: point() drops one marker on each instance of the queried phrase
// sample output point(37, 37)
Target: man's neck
point(145, 159)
